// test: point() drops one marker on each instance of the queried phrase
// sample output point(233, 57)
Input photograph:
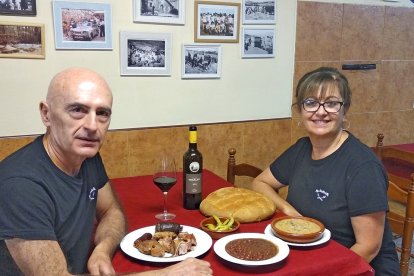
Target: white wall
point(248, 89)
point(395, 3)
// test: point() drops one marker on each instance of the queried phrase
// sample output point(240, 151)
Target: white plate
point(326, 235)
point(204, 243)
point(219, 248)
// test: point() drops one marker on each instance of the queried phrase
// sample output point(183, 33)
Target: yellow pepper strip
point(218, 221)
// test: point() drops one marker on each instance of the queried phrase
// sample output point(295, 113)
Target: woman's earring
point(346, 126)
point(299, 124)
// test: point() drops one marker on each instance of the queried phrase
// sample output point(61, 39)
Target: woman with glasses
point(332, 176)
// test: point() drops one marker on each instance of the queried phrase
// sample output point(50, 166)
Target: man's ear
point(44, 113)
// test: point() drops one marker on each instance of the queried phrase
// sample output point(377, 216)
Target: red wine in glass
point(165, 182)
point(165, 177)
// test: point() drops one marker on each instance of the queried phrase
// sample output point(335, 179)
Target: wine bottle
point(192, 173)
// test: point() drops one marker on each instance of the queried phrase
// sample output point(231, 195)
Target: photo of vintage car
point(84, 31)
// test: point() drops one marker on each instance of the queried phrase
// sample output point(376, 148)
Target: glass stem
point(165, 203)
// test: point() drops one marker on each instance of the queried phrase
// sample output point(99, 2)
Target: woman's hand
point(290, 211)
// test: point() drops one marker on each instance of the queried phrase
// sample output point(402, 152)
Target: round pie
point(297, 229)
point(242, 204)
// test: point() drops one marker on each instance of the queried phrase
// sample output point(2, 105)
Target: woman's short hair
point(325, 80)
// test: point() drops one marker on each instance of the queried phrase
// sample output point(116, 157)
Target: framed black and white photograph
point(217, 22)
point(82, 25)
point(145, 53)
point(18, 7)
point(259, 11)
point(202, 61)
point(258, 42)
point(22, 40)
point(160, 11)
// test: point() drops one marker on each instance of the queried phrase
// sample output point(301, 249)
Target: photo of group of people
point(218, 23)
point(262, 11)
point(163, 8)
point(201, 61)
point(18, 7)
point(146, 53)
point(258, 41)
point(159, 11)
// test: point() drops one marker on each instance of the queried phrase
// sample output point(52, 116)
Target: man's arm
point(38, 257)
point(109, 232)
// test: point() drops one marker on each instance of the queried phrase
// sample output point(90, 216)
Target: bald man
point(53, 189)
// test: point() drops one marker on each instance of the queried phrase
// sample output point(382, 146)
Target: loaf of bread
point(243, 204)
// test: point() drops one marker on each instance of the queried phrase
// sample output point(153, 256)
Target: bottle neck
point(193, 139)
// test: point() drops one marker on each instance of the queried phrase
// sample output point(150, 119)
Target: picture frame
point(145, 54)
point(201, 61)
point(259, 12)
point(156, 12)
point(22, 40)
point(217, 22)
point(82, 25)
point(258, 42)
point(18, 8)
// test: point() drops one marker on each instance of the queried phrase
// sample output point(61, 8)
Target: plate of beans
point(251, 249)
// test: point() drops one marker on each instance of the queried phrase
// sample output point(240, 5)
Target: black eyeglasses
point(329, 106)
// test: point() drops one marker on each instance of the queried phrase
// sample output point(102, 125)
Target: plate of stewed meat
point(166, 242)
point(251, 249)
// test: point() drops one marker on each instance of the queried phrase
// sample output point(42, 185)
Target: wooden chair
point(401, 198)
point(243, 169)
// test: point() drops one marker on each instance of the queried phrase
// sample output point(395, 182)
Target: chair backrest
point(399, 163)
point(400, 190)
point(244, 169)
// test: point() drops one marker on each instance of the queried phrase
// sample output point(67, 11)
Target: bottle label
point(193, 183)
point(193, 137)
point(194, 167)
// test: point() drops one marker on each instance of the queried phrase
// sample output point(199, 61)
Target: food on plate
point(242, 204)
point(165, 242)
point(298, 229)
point(251, 249)
point(150, 247)
point(169, 227)
point(145, 236)
point(219, 225)
point(297, 226)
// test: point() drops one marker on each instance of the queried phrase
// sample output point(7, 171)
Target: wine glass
point(165, 177)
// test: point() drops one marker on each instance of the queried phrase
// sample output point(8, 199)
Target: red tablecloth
point(141, 200)
point(407, 147)
point(398, 167)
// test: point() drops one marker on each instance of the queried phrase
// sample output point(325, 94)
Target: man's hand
point(188, 267)
point(99, 263)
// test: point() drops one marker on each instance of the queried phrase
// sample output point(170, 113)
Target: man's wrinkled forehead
point(67, 90)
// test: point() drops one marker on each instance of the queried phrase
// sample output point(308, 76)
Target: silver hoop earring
point(344, 126)
point(299, 124)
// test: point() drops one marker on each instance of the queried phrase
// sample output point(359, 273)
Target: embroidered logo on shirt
point(321, 194)
point(92, 193)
